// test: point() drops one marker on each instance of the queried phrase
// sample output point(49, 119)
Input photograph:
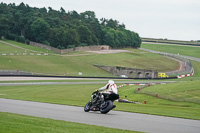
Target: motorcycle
point(102, 102)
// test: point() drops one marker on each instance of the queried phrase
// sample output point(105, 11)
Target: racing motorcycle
point(101, 102)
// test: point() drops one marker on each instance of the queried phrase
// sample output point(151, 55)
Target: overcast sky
point(171, 19)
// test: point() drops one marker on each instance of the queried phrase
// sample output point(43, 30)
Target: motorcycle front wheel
point(87, 107)
point(107, 107)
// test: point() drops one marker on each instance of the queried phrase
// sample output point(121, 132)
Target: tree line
point(61, 29)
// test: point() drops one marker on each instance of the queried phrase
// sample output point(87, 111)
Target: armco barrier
point(188, 69)
point(180, 42)
point(24, 54)
point(14, 72)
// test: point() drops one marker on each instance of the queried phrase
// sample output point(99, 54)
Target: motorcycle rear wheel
point(105, 109)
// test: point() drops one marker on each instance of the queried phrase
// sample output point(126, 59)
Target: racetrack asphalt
point(114, 119)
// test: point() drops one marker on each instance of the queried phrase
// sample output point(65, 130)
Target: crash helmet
point(110, 82)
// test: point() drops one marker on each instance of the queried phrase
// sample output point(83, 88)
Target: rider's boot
point(113, 106)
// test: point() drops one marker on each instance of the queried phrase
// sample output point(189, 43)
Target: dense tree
point(63, 29)
point(4, 25)
point(85, 35)
point(109, 38)
point(40, 30)
point(72, 37)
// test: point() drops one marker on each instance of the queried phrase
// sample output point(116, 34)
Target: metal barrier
point(187, 64)
point(14, 72)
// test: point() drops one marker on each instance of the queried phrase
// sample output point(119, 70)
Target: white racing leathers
point(109, 88)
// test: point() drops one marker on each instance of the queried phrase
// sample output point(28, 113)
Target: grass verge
point(181, 91)
point(13, 123)
point(175, 49)
point(157, 106)
point(79, 95)
point(21, 47)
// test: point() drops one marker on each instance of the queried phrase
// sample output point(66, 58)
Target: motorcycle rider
point(110, 87)
point(103, 100)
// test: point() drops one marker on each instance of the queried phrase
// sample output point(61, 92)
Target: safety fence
point(14, 72)
point(14, 54)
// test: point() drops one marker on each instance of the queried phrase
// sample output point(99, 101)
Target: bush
point(82, 45)
point(11, 36)
point(46, 43)
point(27, 41)
point(71, 46)
point(20, 39)
point(60, 47)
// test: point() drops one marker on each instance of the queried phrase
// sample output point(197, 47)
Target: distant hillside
point(21, 57)
point(62, 29)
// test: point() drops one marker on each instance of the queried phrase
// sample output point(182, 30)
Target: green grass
point(65, 80)
point(175, 49)
point(133, 60)
point(5, 48)
point(181, 91)
point(53, 65)
point(183, 50)
point(13, 123)
point(74, 53)
point(72, 65)
point(29, 49)
point(79, 95)
point(196, 66)
point(156, 105)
